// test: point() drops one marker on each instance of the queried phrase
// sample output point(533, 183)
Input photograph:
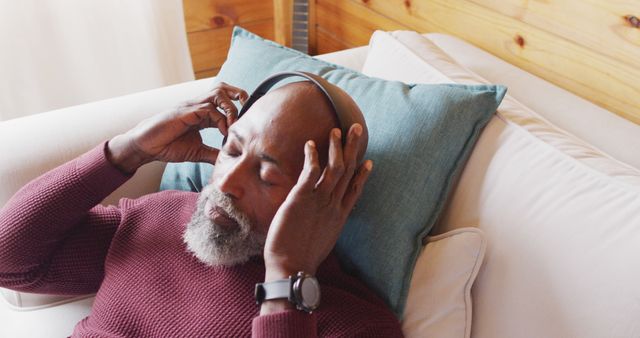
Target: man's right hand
point(174, 136)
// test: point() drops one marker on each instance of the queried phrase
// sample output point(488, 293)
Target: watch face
point(310, 291)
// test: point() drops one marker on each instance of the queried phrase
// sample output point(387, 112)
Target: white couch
point(535, 281)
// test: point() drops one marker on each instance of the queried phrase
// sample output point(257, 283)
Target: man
point(181, 264)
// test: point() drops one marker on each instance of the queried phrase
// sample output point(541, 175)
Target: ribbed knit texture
point(55, 238)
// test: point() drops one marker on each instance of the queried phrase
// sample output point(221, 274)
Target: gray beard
point(211, 243)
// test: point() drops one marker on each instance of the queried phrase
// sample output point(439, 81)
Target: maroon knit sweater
point(56, 238)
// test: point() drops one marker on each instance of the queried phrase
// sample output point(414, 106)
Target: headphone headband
point(329, 90)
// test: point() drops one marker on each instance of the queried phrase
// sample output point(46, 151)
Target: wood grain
point(333, 16)
point(327, 43)
point(283, 15)
point(209, 48)
point(207, 73)
point(590, 23)
point(209, 24)
point(574, 64)
point(313, 26)
point(211, 14)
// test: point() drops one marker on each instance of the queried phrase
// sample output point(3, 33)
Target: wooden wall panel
point(590, 23)
point(608, 78)
point(207, 73)
point(327, 43)
point(210, 14)
point(209, 24)
point(313, 25)
point(351, 23)
point(209, 47)
point(283, 15)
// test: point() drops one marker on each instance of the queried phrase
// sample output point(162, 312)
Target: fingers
point(234, 93)
point(206, 154)
point(223, 95)
point(335, 165)
point(204, 113)
point(237, 94)
point(350, 157)
point(198, 114)
point(222, 101)
point(311, 169)
point(357, 183)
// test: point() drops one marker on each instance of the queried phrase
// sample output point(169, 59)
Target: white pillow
point(439, 301)
point(350, 58)
point(561, 218)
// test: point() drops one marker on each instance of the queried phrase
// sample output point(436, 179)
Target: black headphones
point(331, 92)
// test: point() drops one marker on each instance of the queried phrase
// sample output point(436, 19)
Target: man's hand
point(307, 225)
point(174, 136)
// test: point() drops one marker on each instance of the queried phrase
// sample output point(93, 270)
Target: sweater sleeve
point(285, 324)
point(54, 235)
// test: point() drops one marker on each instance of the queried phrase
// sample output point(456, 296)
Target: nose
point(231, 181)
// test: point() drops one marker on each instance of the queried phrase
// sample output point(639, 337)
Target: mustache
point(226, 204)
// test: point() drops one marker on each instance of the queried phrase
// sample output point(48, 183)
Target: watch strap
point(278, 289)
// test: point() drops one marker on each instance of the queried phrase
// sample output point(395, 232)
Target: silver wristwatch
point(302, 290)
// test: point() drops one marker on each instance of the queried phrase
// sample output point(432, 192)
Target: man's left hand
point(307, 225)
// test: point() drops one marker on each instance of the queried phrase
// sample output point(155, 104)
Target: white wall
point(58, 53)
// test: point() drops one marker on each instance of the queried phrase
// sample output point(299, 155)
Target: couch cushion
point(420, 137)
point(562, 222)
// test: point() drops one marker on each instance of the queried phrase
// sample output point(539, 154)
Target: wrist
point(276, 273)
point(275, 306)
point(281, 267)
point(123, 155)
point(282, 271)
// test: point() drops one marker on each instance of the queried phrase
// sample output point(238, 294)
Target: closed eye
point(234, 153)
point(266, 183)
point(232, 150)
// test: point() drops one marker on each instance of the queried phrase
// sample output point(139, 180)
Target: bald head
point(302, 105)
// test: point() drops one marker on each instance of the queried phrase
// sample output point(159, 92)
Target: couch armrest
point(32, 145)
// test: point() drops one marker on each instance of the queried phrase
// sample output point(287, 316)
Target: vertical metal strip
point(300, 26)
